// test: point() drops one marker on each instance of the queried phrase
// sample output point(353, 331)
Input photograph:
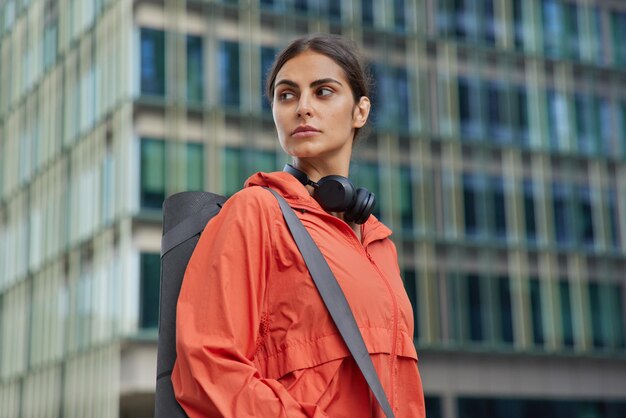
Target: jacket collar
point(298, 196)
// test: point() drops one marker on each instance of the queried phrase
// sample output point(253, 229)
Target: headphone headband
point(300, 175)
point(337, 194)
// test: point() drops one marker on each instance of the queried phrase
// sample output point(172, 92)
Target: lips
point(304, 131)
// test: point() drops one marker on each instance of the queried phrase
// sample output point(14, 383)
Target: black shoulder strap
point(335, 301)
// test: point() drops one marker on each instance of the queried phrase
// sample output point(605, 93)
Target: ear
point(361, 112)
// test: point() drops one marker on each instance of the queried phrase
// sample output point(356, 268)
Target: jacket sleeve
point(218, 317)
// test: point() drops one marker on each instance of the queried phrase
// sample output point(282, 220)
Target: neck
point(321, 168)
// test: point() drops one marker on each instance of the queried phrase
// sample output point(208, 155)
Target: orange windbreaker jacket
point(254, 338)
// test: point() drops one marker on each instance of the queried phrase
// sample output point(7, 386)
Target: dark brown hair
point(339, 49)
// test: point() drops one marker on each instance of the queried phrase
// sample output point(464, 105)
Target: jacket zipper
point(394, 347)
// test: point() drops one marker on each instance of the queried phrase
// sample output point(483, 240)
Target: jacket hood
point(298, 196)
point(287, 185)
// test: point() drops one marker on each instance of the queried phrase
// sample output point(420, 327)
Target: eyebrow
point(313, 84)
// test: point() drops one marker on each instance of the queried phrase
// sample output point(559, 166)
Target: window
point(83, 300)
point(301, 6)
point(497, 124)
point(558, 120)
point(596, 314)
point(567, 325)
point(464, 22)
point(267, 59)
point(9, 15)
point(470, 198)
point(233, 176)
point(587, 121)
point(402, 104)
point(598, 47)
point(536, 309)
point(445, 18)
point(149, 290)
point(616, 312)
point(474, 306)
point(607, 315)
point(469, 108)
point(152, 173)
point(108, 182)
point(152, 62)
point(585, 217)
point(445, 207)
point(259, 160)
point(480, 308)
point(334, 10)
point(572, 31)
point(468, 20)
point(475, 205)
point(499, 208)
point(455, 304)
point(399, 15)
point(239, 164)
point(194, 166)
point(410, 284)
point(561, 32)
point(50, 33)
point(155, 168)
point(491, 110)
point(621, 131)
point(518, 25)
point(228, 57)
point(267, 4)
point(195, 70)
point(489, 23)
point(553, 28)
point(406, 199)
point(465, 106)
point(504, 314)
point(561, 196)
point(530, 223)
point(604, 126)
point(613, 219)
point(618, 20)
point(391, 108)
point(367, 12)
point(433, 406)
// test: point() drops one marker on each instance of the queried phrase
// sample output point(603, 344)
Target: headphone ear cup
point(335, 193)
point(363, 206)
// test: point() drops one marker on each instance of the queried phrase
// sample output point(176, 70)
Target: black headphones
point(338, 194)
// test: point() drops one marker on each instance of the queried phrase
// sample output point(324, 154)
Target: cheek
point(280, 129)
point(342, 119)
point(278, 122)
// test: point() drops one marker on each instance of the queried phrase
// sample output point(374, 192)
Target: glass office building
point(497, 149)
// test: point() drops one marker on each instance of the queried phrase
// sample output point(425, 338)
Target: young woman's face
point(314, 109)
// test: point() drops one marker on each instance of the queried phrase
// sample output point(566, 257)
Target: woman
point(254, 338)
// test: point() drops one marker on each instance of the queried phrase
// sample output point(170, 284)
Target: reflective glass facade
point(497, 150)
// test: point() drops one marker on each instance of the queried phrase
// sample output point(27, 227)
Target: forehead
point(309, 66)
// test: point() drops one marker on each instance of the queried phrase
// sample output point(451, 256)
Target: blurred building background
point(497, 150)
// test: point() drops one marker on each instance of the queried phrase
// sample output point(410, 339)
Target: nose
point(305, 107)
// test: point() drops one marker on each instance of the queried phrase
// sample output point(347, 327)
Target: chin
point(304, 151)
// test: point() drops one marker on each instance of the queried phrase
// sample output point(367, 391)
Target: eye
point(285, 95)
point(325, 91)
